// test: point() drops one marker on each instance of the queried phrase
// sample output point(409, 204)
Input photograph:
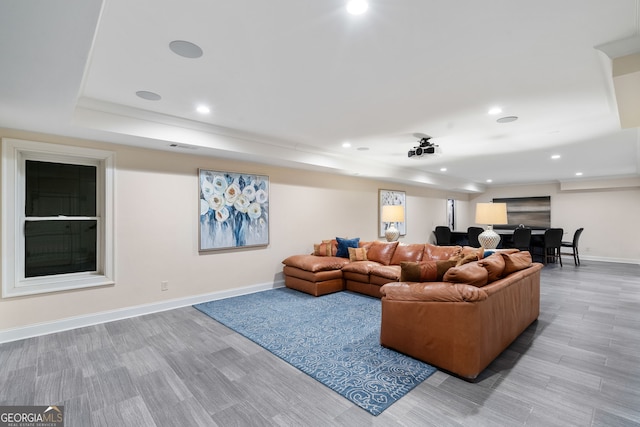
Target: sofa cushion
point(361, 267)
point(357, 254)
point(434, 253)
point(515, 261)
point(407, 252)
point(345, 244)
point(315, 263)
point(381, 252)
point(462, 259)
point(471, 274)
point(326, 248)
point(494, 264)
point(390, 272)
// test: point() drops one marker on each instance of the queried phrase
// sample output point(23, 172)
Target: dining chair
point(552, 244)
point(472, 236)
point(443, 235)
point(521, 239)
point(574, 246)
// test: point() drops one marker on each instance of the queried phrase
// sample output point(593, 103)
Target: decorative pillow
point(443, 266)
point(326, 248)
point(471, 274)
point(345, 244)
point(425, 271)
point(494, 264)
point(515, 262)
point(357, 254)
point(465, 259)
point(470, 249)
point(381, 252)
point(418, 271)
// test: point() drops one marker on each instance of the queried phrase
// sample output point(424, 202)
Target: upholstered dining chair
point(472, 236)
point(521, 238)
point(552, 244)
point(443, 235)
point(574, 246)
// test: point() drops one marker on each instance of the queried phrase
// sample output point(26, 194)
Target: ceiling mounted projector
point(425, 146)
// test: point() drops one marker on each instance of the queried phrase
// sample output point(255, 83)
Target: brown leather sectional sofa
point(457, 318)
point(320, 275)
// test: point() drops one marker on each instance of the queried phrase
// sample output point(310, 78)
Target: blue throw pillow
point(344, 245)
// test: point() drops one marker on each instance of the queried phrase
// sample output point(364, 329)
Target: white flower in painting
point(219, 184)
point(249, 192)
point(261, 196)
point(222, 214)
point(207, 189)
point(241, 204)
point(204, 207)
point(232, 193)
point(216, 202)
point(254, 210)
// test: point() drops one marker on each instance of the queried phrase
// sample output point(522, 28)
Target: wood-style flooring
point(578, 365)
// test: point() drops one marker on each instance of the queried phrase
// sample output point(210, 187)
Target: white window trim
point(14, 152)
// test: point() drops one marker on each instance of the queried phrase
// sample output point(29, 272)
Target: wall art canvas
point(391, 197)
point(234, 210)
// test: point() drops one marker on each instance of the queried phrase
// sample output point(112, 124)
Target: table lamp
point(490, 214)
point(392, 214)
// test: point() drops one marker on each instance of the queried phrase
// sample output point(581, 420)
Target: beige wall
point(609, 216)
point(156, 227)
point(156, 230)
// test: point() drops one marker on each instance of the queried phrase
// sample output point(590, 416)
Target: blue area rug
point(334, 338)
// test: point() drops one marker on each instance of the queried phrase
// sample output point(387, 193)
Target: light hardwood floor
point(578, 365)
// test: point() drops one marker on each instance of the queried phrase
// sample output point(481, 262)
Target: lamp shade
point(393, 213)
point(491, 213)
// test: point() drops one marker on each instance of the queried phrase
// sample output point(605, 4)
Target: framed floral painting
point(234, 210)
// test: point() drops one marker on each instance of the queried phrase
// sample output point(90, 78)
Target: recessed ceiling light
point(346, 144)
point(203, 109)
point(443, 169)
point(507, 119)
point(578, 173)
point(495, 110)
point(149, 96)
point(357, 7)
point(555, 156)
point(489, 180)
point(185, 49)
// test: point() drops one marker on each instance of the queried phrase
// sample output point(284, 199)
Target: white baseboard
point(125, 313)
point(603, 259)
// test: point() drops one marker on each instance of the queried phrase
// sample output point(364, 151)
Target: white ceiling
point(288, 81)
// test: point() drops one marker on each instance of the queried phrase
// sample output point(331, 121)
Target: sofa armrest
point(432, 291)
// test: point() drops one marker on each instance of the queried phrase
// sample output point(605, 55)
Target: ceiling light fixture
point(578, 173)
point(346, 144)
point(203, 109)
point(495, 110)
point(185, 49)
point(443, 169)
point(489, 180)
point(357, 7)
point(555, 156)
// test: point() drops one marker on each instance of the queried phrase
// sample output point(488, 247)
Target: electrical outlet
point(164, 286)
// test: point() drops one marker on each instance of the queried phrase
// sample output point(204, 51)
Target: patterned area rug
point(334, 338)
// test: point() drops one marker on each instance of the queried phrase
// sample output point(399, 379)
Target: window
point(57, 221)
